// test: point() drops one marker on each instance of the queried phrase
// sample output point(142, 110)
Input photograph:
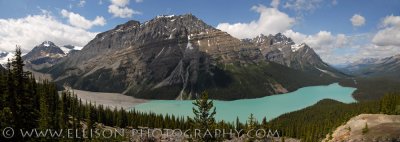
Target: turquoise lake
point(269, 106)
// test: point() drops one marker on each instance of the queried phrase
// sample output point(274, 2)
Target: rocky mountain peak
point(280, 38)
point(47, 44)
point(260, 39)
point(165, 27)
point(263, 40)
point(187, 22)
point(186, 30)
point(45, 53)
point(128, 25)
point(46, 48)
point(283, 50)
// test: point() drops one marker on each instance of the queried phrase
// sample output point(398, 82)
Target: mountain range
point(388, 67)
point(177, 57)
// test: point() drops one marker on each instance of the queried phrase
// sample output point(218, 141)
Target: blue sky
point(323, 24)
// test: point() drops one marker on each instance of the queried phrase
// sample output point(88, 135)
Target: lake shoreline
point(269, 106)
point(112, 100)
point(117, 100)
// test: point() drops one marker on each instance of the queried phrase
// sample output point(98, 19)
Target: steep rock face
point(282, 50)
point(167, 55)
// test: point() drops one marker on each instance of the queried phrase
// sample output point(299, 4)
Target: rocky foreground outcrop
point(381, 128)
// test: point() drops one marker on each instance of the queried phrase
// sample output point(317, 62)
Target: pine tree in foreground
point(204, 120)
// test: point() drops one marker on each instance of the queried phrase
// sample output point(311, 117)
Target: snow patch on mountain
point(78, 48)
point(66, 50)
point(46, 43)
point(296, 47)
point(6, 56)
point(165, 16)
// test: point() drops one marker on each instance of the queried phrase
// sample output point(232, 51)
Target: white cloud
point(122, 12)
point(120, 9)
point(334, 2)
point(375, 51)
point(80, 21)
point(138, 1)
point(324, 43)
point(389, 34)
point(303, 5)
point(295, 36)
point(81, 3)
point(120, 3)
point(34, 29)
point(320, 40)
point(323, 40)
point(341, 40)
point(341, 48)
point(391, 21)
point(275, 3)
point(271, 21)
point(357, 20)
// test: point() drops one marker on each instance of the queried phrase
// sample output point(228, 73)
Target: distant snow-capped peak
point(46, 43)
point(4, 56)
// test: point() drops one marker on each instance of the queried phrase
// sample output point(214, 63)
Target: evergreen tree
point(44, 113)
point(24, 100)
point(251, 127)
point(264, 122)
point(10, 97)
point(204, 120)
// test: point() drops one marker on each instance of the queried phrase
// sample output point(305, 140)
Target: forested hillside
point(370, 89)
point(26, 103)
point(312, 124)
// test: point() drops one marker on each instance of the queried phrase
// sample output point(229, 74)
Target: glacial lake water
point(269, 106)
